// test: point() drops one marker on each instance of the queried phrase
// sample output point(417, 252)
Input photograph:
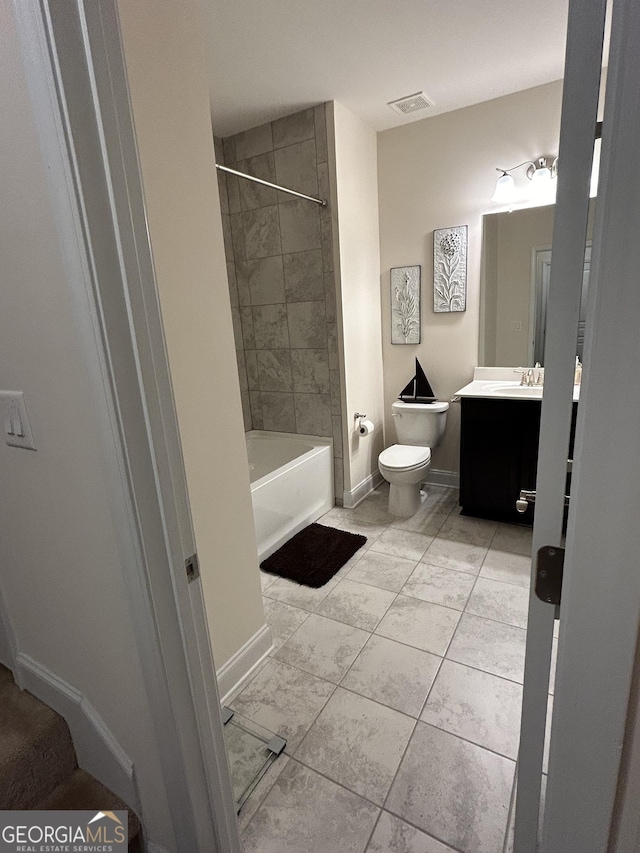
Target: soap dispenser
point(577, 376)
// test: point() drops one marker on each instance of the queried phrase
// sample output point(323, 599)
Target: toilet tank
point(421, 424)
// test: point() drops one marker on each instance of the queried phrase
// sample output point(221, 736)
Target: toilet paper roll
point(365, 427)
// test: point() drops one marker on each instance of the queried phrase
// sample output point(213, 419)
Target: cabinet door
point(489, 465)
point(498, 450)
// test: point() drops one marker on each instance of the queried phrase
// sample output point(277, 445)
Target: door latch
point(192, 568)
point(549, 572)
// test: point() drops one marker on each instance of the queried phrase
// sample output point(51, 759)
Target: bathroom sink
point(503, 383)
point(513, 389)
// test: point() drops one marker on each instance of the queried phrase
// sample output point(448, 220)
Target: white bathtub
point(291, 484)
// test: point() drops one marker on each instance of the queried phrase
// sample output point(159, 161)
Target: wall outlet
point(516, 325)
point(15, 420)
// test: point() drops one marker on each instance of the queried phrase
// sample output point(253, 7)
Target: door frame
point(76, 75)
point(585, 32)
point(539, 289)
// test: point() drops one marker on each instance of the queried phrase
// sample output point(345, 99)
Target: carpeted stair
point(38, 767)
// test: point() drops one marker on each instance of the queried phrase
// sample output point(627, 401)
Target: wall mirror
point(516, 262)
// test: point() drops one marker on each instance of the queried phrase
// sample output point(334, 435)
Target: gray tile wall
point(280, 267)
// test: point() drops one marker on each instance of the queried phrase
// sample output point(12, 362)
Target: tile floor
point(398, 687)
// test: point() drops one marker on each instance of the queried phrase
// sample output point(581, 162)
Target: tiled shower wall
point(280, 266)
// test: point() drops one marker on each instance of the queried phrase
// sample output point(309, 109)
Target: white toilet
point(419, 426)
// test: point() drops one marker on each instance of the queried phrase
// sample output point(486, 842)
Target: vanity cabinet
point(499, 456)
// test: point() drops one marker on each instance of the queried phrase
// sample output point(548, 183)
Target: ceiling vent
point(411, 104)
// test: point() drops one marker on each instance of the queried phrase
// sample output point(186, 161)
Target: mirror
point(516, 262)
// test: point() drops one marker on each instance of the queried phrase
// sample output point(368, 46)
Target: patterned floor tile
point(323, 647)
point(504, 602)
point(459, 556)
point(507, 567)
point(420, 624)
point(477, 706)
point(440, 586)
point(357, 743)
point(283, 619)
point(393, 835)
point(490, 646)
point(382, 570)
point(453, 790)
point(394, 674)
point(402, 543)
point(306, 813)
point(284, 700)
point(356, 604)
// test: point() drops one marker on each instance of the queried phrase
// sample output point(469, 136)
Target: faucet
point(526, 376)
point(529, 378)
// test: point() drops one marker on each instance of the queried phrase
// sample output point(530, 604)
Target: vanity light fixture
point(505, 187)
point(538, 172)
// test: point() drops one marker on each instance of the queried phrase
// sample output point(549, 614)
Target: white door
point(577, 135)
point(588, 808)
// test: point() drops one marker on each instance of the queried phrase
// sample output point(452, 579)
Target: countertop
point(503, 383)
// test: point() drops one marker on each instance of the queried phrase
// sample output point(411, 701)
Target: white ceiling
point(270, 58)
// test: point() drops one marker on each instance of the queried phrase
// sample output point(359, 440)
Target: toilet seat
point(404, 457)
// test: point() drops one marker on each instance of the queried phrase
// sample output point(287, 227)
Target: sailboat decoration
point(418, 390)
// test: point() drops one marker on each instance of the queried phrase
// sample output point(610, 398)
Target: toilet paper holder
point(363, 425)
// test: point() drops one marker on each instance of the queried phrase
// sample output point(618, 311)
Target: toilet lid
point(404, 456)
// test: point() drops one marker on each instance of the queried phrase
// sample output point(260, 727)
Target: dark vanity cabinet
point(499, 456)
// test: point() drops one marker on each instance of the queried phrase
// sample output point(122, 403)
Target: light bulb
point(541, 176)
point(505, 189)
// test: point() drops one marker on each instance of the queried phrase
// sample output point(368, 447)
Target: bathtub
point(291, 484)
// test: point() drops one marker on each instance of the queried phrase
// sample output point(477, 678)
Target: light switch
point(17, 429)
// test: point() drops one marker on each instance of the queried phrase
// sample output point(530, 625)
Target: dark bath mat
point(313, 556)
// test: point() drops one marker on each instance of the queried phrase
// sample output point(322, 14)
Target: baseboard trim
point(97, 750)
point(352, 498)
point(240, 666)
point(437, 477)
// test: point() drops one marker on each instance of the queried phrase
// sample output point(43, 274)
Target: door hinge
point(549, 571)
point(192, 567)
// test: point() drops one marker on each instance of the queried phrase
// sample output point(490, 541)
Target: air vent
point(411, 104)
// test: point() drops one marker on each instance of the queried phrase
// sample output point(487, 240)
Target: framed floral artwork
point(405, 305)
point(450, 269)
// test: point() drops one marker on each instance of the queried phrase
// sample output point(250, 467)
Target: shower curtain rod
point(269, 184)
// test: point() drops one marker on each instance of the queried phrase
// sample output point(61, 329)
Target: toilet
point(419, 427)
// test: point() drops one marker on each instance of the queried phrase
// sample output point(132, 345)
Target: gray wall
point(279, 252)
